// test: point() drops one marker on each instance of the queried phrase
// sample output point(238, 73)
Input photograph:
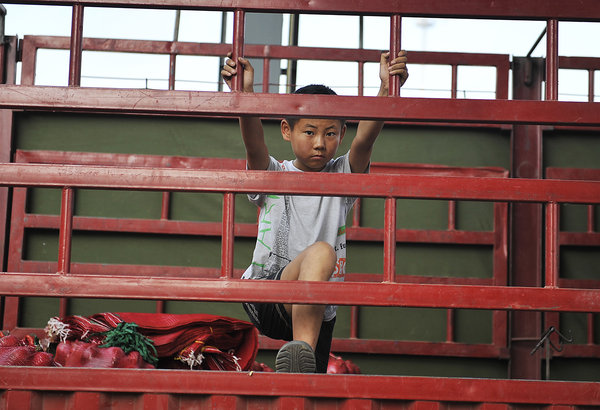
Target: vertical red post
point(66, 227)
point(64, 242)
point(266, 70)
point(361, 78)
point(552, 60)
point(526, 225)
point(354, 322)
point(591, 85)
point(172, 60)
point(356, 214)
point(454, 87)
point(389, 240)
point(395, 47)
point(166, 202)
point(449, 325)
point(451, 215)
point(552, 245)
point(227, 236)
point(76, 46)
point(590, 218)
point(238, 46)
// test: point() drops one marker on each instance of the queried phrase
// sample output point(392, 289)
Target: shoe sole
point(295, 357)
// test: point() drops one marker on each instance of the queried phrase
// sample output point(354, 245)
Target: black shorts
point(272, 320)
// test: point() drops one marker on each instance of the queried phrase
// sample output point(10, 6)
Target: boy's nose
point(319, 141)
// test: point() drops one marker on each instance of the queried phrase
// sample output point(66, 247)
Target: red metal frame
point(210, 389)
point(302, 388)
point(279, 105)
point(589, 238)
point(500, 61)
point(586, 10)
point(495, 239)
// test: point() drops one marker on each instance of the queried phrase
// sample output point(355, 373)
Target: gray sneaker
point(295, 357)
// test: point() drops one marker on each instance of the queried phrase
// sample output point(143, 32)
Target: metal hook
point(562, 339)
point(545, 340)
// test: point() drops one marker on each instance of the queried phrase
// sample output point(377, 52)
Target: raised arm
point(257, 154)
point(368, 131)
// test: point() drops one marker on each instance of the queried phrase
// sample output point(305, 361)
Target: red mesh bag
point(15, 352)
point(198, 340)
point(84, 354)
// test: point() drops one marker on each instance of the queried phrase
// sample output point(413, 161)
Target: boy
point(303, 237)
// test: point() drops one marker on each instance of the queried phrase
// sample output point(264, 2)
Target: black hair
point(312, 89)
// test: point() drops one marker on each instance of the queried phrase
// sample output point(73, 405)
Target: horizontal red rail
point(159, 226)
point(363, 185)
point(341, 293)
point(300, 385)
point(586, 10)
point(267, 51)
point(281, 105)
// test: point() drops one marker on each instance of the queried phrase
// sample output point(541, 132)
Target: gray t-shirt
point(288, 224)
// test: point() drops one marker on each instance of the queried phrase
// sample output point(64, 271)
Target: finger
point(385, 55)
point(399, 71)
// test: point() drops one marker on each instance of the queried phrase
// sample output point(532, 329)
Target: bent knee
point(323, 252)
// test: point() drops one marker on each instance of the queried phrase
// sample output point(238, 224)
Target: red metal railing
point(360, 390)
point(496, 240)
point(388, 186)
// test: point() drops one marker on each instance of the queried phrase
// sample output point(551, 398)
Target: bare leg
point(315, 263)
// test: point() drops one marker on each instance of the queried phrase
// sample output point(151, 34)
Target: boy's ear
point(342, 132)
point(286, 130)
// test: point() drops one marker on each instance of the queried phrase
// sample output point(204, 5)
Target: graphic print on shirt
point(340, 250)
point(278, 252)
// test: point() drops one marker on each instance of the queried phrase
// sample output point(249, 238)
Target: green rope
point(127, 337)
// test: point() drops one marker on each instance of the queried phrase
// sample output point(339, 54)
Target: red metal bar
point(552, 60)
point(454, 86)
point(165, 206)
point(17, 233)
point(228, 235)
point(361, 78)
point(354, 318)
point(500, 61)
point(500, 260)
point(590, 219)
point(449, 325)
point(8, 63)
point(451, 215)
point(591, 88)
point(552, 247)
point(64, 242)
point(76, 46)
point(66, 224)
point(398, 186)
point(238, 47)
point(266, 72)
point(526, 224)
point(356, 214)
point(586, 10)
point(277, 105)
point(395, 47)
point(28, 61)
point(389, 240)
point(172, 62)
point(303, 385)
point(338, 293)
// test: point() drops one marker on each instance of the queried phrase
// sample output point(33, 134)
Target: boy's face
point(314, 141)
